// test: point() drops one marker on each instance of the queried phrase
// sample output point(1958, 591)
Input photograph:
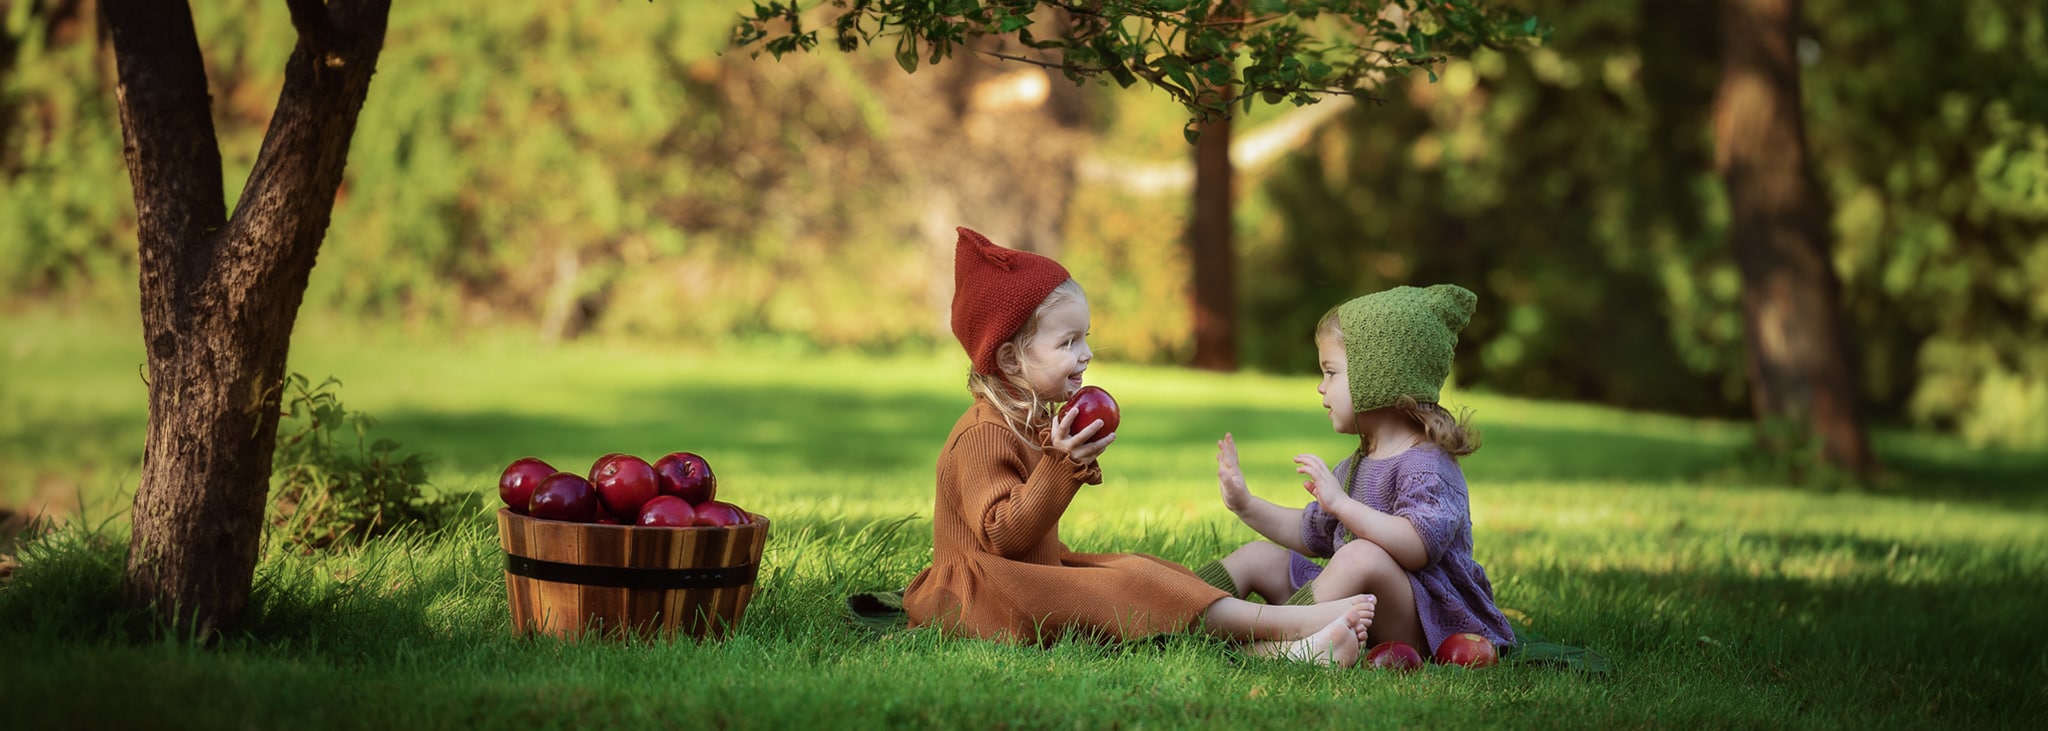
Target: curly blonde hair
point(1008, 390)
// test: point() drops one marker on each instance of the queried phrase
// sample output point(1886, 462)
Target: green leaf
point(906, 55)
point(1122, 74)
point(1176, 67)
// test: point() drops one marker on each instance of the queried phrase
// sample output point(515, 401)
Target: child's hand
point(1076, 445)
point(1236, 496)
point(1322, 484)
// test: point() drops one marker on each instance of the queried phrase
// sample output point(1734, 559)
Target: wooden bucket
point(568, 579)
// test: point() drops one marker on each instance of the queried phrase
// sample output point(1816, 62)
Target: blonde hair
point(1452, 433)
point(1010, 392)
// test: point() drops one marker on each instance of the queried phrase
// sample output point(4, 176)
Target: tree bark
point(1211, 249)
point(1800, 374)
point(220, 294)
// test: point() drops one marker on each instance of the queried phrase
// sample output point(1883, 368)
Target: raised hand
point(1321, 483)
point(1236, 496)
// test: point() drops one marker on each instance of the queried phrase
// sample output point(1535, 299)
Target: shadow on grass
point(836, 430)
point(817, 427)
point(1961, 651)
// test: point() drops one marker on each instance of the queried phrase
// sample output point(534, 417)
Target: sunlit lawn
point(1722, 598)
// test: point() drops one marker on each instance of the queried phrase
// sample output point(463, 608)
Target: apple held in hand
point(624, 483)
point(515, 485)
point(1469, 649)
point(564, 496)
point(1093, 403)
point(687, 476)
point(667, 511)
point(720, 515)
point(1393, 655)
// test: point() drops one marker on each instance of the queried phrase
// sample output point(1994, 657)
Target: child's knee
point(1257, 554)
point(1365, 558)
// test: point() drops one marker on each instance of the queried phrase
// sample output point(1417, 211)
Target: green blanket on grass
point(882, 612)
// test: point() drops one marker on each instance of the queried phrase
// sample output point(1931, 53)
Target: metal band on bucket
point(722, 577)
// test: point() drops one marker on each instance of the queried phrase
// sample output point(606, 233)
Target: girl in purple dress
point(1392, 519)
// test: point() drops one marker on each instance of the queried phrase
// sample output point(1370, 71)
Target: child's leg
point(1363, 567)
point(1261, 568)
point(1238, 619)
point(1293, 631)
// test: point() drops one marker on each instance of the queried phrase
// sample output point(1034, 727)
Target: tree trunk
point(1799, 371)
point(1213, 294)
point(220, 294)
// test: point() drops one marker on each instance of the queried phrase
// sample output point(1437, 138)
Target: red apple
point(1093, 403)
point(515, 485)
point(606, 519)
point(667, 510)
point(564, 496)
point(1469, 649)
point(1393, 655)
point(687, 476)
point(720, 514)
point(624, 483)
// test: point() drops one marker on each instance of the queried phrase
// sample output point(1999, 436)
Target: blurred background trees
point(614, 171)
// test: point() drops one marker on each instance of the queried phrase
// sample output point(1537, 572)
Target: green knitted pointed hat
point(1399, 342)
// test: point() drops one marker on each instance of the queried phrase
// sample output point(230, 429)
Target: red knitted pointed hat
point(995, 290)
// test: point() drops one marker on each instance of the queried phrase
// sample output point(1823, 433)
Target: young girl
point(1008, 471)
point(1396, 525)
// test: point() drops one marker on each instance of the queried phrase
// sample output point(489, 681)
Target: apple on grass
point(624, 483)
point(515, 485)
point(721, 514)
point(1394, 656)
point(686, 475)
point(1093, 403)
point(1469, 649)
point(667, 511)
point(564, 496)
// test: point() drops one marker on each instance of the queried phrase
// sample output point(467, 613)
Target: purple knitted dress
point(1425, 486)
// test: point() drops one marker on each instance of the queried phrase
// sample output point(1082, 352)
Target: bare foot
point(1298, 622)
point(1336, 644)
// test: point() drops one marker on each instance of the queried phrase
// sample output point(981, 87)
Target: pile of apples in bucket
point(676, 491)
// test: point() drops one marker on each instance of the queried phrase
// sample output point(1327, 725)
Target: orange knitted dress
point(999, 570)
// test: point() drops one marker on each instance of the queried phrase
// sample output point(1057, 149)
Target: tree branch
point(1062, 66)
point(310, 18)
point(285, 207)
point(173, 156)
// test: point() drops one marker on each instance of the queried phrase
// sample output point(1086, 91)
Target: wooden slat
point(573, 610)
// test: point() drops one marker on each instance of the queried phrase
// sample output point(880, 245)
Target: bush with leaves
point(331, 484)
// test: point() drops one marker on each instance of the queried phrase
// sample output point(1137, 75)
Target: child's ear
point(1006, 359)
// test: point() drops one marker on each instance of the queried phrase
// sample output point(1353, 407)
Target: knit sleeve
point(1436, 506)
point(1318, 526)
point(1015, 506)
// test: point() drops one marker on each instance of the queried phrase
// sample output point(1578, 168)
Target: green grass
point(1723, 598)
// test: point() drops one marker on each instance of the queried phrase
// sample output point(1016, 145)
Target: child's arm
point(1014, 505)
point(1278, 524)
point(1392, 532)
point(1018, 507)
